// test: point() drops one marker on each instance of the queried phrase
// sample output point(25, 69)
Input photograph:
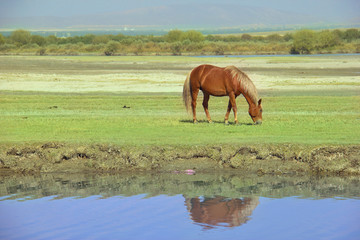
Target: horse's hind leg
point(206, 105)
point(228, 113)
point(233, 104)
point(194, 95)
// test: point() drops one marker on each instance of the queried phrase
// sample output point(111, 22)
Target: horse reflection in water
point(221, 211)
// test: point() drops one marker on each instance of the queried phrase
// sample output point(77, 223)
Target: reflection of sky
point(166, 217)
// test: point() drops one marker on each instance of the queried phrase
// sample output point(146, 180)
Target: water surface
point(281, 55)
point(178, 206)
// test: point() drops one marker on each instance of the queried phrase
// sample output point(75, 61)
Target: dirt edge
point(261, 159)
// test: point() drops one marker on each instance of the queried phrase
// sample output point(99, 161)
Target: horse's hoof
point(210, 121)
point(195, 122)
point(226, 122)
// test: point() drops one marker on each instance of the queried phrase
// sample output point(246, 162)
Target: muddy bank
point(260, 159)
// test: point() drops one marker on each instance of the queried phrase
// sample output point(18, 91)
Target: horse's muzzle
point(258, 122)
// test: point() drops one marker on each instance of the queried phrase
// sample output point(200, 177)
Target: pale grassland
point(81, 74)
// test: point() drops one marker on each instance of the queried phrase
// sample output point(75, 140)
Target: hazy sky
point(75, 7)
point(326, 9)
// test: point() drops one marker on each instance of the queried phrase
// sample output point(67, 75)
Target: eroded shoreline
point(53, 157)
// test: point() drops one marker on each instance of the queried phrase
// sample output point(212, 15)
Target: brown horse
point(216, 81)
point(221, 211)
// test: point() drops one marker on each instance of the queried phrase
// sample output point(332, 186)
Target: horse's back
point(201, 71)
point(211, 79)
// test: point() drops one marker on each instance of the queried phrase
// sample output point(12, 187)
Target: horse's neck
point(249, 101)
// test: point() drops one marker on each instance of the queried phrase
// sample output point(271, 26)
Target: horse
point(221, 211)
point(217, 81)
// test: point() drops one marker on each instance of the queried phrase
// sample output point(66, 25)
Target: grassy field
point(162, 120)
point(307, 100)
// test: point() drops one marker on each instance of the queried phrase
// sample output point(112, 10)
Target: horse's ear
point(259, 101)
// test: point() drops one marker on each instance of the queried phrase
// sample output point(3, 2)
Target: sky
point(326, 10)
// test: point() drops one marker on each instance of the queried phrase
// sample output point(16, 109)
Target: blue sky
point(20, 8)
point(310, 11)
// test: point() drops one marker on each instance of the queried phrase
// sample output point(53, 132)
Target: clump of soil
point(260, 159)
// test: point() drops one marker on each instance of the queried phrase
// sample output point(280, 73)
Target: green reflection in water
point(210, 185)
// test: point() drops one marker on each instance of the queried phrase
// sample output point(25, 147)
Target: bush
point(111, 48)
point(7, 47)
point(39, 40)
point(274, 38)
point(174, 36)
point(20, 37)
point(193, 36)
point(2, 39)
point(351, 34)
point(138, 47)
point(176, 48)
point(101, 39)
point(287, 37)
point(30, 46)
point(246, 37)
point(93, 47)
point(51, 39)
point(327, 39)
point(52, 48)
point(304, 41)
point(42, 51)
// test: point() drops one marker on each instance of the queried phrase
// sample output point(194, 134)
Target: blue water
point(280, 55)
point(168, 207)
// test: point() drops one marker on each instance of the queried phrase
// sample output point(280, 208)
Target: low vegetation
point(177, 42)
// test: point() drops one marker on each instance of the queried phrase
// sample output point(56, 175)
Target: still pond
point(179, 206)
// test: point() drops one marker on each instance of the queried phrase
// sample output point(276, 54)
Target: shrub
point(2, 39)
point(176, 48)
point(326, 39)
point(174, 36)
point(41, 51)
point(39, 40)
point(101, 39)
point(246, 37)
point(193, 36)
point(111, 48)
point(304, 41)
point(351, 34)
point(51, 39)
point(7, 47)
point(20, 37)
point(274, 38)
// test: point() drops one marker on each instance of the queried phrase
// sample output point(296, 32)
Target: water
point(179, 206)
point(281, 55)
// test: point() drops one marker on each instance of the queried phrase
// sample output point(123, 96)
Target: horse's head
point(255, 112)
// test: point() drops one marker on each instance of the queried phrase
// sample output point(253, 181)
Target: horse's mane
point(245, 82)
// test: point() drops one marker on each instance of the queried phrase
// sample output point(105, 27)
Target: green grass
point(293, 114)
point(161, 119)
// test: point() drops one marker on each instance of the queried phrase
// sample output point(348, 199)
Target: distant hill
point(172, 16)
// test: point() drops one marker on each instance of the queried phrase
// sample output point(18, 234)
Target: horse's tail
point(187, 93)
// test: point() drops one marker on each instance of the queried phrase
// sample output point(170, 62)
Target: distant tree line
point(177, 42)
